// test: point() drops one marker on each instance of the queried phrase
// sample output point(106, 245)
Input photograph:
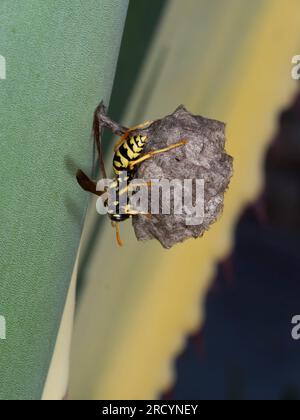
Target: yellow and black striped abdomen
point(129, 151)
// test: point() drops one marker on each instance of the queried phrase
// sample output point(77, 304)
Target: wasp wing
point(87, 184)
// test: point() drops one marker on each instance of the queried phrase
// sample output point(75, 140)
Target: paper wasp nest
point(203, 157)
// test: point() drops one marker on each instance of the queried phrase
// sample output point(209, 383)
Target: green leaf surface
point(60, 61)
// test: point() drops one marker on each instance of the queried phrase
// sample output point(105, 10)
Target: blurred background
point(211, 318)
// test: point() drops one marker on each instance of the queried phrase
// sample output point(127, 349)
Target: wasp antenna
point(118, 236)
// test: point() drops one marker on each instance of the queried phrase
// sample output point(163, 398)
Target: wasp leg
point(133, 185)
point(116, 226)
point(139, 213)
point(149, 155)
point(133, 212)
point(130, 130)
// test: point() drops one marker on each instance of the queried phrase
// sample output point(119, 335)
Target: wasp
point(128, 154)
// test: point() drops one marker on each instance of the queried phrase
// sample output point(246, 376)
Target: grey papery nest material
point(203, 157)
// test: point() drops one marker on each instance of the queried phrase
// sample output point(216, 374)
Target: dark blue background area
point(245, 349)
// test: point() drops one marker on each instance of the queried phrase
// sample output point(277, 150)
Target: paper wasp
point(128, 153)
